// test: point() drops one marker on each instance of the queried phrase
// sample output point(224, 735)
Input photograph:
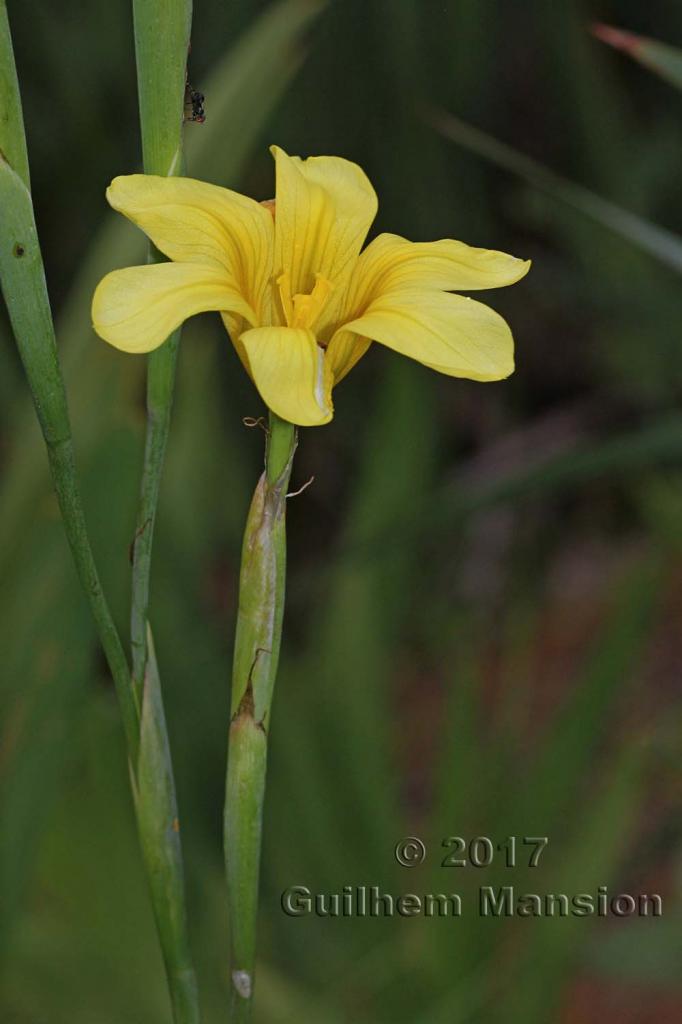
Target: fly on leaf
point(194, 105)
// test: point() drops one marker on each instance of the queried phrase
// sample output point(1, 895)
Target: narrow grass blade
point(358, 630)
point(104, 389)
point(43, 623)
point(162, 29)
point(87, 948)
point(161, 45)
point(664, 60)
point(22, 277)
point(161, 369)
point(661, 244)
point(24, 288)
point(654, 444)
point(646, 954)
point(159, 825)
point(241, 98)
point(591, 860)
point(335, 745)
point(10, 384)
point(12, 138)
point(23, 285)
point(162, 32)
point(552, 787)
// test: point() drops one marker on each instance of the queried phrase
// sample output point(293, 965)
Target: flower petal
point(390, 263)
point(449, 333)
point(137, 308)
point(344, 351)
point(288, 368)
point(194, 222)
point(325, 206)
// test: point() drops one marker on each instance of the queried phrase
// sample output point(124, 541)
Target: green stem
point(22, 276)
point(12, 135)
point(161, 368)
point(63, 469)
point(257, 644)
point(162, 30)
point(159, 827)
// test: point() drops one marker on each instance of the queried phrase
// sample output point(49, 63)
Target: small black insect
point(194, 105)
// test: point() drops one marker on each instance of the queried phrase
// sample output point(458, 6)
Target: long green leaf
point(545, 798)
point(162, 32)
point(24, 288)
point(664, 60)
point(244, 87)
point(591, 860)
point(239, 100)
point(160, 836)
point(655, 444)
point(104, 392)
point(12, 138)
point(659, 243)
point(162, 29)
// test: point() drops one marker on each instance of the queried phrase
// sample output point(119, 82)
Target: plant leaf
point(663, 245)
point(664, 60)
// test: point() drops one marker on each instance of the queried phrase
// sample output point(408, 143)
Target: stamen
point(303, 310)
point(284, 286)
point(307, 308)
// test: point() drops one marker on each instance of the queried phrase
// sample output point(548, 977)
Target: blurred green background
point(485, 589)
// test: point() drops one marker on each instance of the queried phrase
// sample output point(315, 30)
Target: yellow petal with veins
point(194, 222)
point(450, 333)
point(137, 308)
point(324, 208)
point(344, 351)
point(391, 263)
point(288, 368)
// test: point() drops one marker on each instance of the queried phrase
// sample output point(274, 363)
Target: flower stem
point(257, 644)
point(162, 30)
point(22, 276)
point(161, 367)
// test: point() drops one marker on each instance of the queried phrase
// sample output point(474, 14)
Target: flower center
point(303, 310)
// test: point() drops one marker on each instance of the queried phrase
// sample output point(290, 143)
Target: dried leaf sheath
point(257, 644)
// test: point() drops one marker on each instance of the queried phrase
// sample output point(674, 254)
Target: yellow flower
point(300, 300)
